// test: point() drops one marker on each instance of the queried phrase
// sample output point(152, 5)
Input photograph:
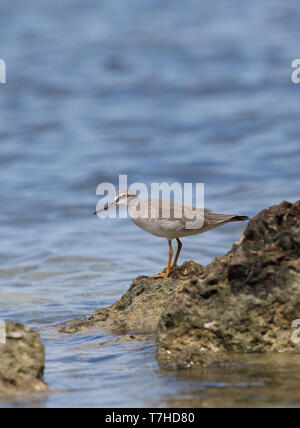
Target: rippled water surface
point(161, 91)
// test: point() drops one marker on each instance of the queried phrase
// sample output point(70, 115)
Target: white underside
point(169, 228)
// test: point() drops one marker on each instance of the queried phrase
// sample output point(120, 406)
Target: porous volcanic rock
point(243, 302)
point(22, 361)
point(140, 308)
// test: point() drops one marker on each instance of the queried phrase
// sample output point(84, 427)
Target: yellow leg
point(168, 271)
point(178, 253)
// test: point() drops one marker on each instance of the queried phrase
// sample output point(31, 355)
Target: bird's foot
point(164, 274)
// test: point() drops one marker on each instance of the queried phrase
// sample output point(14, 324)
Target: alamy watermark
point(2, 71)
point(296, 334)
point(296, 73)
point(176, 201)
point(2, 332)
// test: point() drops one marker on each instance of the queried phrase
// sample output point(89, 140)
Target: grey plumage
point(170, 220)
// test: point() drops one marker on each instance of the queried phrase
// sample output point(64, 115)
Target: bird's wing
point(187, 217)
point(162, 209)
point(175, 215)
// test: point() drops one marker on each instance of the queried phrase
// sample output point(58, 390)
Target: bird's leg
point(168, 271)
point(177, 254)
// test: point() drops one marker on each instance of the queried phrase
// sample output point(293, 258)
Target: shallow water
point(161, 91)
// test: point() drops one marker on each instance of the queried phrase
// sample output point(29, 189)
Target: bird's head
point(122, 198)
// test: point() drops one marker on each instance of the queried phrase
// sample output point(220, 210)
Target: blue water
point(162, 91)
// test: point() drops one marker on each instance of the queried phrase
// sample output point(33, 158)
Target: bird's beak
point(105, 208)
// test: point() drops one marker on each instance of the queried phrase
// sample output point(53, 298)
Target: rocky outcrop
point(243, 302)
point(22, 360)
point(140, 309)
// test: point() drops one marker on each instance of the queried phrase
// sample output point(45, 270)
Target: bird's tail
point(219, 219)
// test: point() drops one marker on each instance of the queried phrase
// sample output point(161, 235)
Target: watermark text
point(296, 73)
point(156, 201)
point(296, 334)
point(2, 332)
point(2, 71)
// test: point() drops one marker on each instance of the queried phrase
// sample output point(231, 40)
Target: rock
point(243, 302)
point(140, 308)
point(22, 360)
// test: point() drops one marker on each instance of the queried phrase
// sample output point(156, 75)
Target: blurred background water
point(169, 91)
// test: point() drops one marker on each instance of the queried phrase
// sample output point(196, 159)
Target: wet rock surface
point(22, 360)
point(243, 302)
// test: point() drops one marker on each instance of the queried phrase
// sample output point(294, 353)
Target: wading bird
point(169, 220)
